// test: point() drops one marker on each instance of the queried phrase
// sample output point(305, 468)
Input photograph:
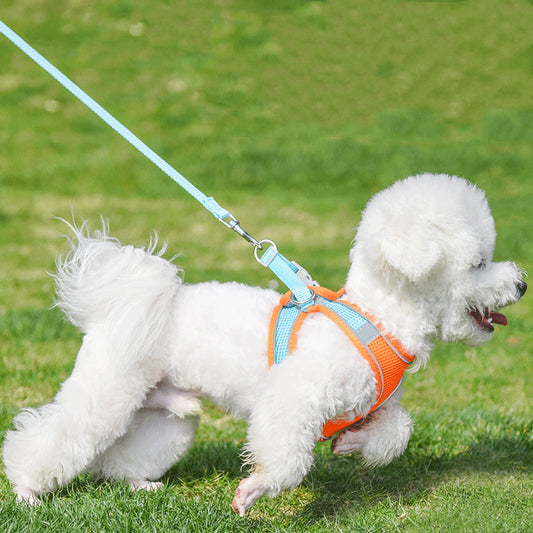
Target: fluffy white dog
point(421, 264)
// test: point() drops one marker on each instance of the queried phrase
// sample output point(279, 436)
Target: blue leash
point(290, 273)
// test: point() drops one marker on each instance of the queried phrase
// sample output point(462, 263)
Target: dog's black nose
point(521, 287)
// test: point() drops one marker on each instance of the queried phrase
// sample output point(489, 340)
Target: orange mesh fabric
point(383, 353)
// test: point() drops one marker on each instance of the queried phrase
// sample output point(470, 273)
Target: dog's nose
point(521, 288)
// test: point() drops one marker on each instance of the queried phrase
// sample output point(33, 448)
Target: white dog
point(421, 264)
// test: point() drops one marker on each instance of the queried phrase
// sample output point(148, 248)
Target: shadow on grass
point(206, 459)
point(198, 490)
point(343, 484)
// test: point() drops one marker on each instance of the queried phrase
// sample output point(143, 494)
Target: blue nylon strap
point(283, 268)
point(363, 329)
point(209, 203)
point(284, 326)
point(286, 272)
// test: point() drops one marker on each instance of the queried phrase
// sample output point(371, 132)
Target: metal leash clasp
point(235, 225)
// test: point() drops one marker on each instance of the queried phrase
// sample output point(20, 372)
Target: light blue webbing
point(281, 266)
point(286, 272)
point(363, 329)
point(209, 203)
point(284, 326)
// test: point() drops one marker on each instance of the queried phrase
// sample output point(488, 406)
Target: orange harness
point(386, 357)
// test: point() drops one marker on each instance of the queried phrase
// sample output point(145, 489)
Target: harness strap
point(386, 357)
point(290, 273)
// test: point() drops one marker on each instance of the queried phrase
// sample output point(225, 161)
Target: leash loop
point(208, 202)
point(261, 260)
point(289, 273)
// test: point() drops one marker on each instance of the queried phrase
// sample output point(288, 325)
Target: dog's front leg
point(281, 457)
point(379, 440)
point(282, 433)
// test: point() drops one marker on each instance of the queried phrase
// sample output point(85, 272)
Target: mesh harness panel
point(386, 357)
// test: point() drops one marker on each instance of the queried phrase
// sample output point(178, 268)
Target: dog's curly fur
point(421, 264)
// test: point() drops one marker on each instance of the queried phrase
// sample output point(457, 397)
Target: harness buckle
point(304, 275)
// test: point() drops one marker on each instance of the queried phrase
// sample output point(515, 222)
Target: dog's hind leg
point(95, 406)
point(155, 441)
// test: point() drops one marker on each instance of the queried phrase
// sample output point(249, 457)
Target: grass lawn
point(292, 114)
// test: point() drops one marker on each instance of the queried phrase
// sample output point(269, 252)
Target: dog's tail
point(131, 289)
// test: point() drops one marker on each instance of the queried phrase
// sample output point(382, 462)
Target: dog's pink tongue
point(498, 318)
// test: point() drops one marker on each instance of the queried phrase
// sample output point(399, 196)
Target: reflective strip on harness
point(386, 357)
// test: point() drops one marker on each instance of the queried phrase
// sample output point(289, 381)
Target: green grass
point(292, 114)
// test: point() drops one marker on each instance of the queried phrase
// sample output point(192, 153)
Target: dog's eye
point(481, 265)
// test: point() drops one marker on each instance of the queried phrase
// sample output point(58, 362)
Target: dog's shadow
point(208, 459)
point(336, 485)
point(341, 483)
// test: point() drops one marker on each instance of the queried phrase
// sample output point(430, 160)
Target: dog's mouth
point(487, 319)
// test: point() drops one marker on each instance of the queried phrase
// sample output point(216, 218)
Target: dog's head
point(425, 245)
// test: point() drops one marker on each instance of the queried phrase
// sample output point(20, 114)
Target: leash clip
point(235, 225)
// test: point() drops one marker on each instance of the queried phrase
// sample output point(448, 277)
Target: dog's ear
point(412, 251)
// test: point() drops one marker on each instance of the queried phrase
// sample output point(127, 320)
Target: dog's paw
point(144, 484)
point(28, 497)
point(248, 492)
point(348, 442)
